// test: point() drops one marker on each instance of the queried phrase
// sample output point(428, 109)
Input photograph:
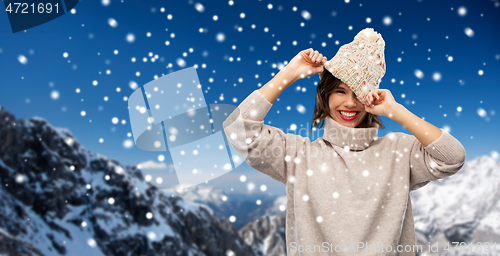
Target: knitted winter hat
point(360, 64)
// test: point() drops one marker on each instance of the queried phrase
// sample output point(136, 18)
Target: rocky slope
point(57, 198)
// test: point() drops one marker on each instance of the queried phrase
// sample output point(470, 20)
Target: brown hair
point(322, 110)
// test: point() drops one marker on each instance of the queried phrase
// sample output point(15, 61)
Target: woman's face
point(344, 99)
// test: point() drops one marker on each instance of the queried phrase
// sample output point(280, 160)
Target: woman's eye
point(340, 91)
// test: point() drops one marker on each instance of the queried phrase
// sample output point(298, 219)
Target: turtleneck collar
point(342, 136)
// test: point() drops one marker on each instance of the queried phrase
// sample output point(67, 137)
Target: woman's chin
point(350, 124)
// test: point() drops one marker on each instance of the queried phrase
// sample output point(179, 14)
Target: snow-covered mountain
point(262, 226)
point(462, 208)
point(267, 234)
point(244, 207)
point(271, 208)
point(57, 198)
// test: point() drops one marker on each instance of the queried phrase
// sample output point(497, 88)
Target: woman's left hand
point(382, 101)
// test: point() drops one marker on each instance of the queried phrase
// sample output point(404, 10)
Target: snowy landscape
point(60, 199)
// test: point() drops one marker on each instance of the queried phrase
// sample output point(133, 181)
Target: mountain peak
point(64, 200)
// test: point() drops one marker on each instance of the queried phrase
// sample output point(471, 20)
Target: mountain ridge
point(61, 199)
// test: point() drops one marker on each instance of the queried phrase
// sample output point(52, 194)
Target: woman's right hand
point(306, 63)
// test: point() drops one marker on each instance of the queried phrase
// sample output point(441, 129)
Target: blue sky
point(49, 71)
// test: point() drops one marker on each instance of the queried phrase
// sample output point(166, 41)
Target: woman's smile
point(348, 115)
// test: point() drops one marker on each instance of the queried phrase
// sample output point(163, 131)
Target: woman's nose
point(352, 100)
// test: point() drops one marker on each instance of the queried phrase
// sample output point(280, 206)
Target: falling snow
point(199, 7)
point(128, 143)
point(220, 37)
point(387, 20)
point(112, 22)
point(436, 76)
point(418, 73)
point(54, 95)
point(130, 38)
point(306, 15)
point(481, 112)
point(469, 32)
point(22, 59)
point(462, 11)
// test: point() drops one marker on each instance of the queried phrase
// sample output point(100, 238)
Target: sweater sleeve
point(442, 158)
point(265, 148)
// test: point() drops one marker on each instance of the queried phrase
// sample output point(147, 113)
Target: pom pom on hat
point(369, 34)
point(360, 64)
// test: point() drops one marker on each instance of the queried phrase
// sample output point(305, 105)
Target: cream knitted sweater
point(348, 192)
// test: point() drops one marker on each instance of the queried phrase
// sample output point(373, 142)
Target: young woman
point(348, 191)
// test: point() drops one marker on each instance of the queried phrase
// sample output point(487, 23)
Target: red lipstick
point(348, 118)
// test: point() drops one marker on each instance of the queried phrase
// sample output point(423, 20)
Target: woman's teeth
point(347, 114)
